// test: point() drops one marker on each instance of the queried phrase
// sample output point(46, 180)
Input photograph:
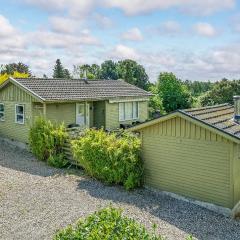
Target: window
point(128, 111)
point(2, 113)
point(19, 114)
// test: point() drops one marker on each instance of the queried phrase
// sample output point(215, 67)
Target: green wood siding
point(10, 96)
point(187, 159)
point(10, 129)
point(61, 113)
point(112, 114)
point(14, 93)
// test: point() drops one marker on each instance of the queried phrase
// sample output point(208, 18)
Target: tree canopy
point(109, 70)
point(173, 92)
point(222, 92)
point(5, 76)
point(59, 71)
point(15, 67)
point(133, 73)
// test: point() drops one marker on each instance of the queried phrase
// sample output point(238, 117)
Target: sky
point(195, 39)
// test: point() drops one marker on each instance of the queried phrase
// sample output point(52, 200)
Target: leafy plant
point(222, 92)
point(47, 141)
point(58, 161)
point(110, 158)
point(173, 92)
point(106, 224)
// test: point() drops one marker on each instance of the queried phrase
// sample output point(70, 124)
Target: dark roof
point(218, 116)
point(79, 89)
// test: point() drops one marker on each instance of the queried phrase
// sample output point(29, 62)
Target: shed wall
point(187, 159)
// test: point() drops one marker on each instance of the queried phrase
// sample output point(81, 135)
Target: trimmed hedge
point(109, 157)
point(106, 224)
point(47, 141)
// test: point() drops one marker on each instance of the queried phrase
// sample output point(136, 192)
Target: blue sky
point(197, 40)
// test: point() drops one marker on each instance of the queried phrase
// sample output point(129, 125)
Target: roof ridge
point(69, 79)
point(207, 107)
point(213, 111)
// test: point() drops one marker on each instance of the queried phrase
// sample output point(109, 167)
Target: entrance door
point(82, 114)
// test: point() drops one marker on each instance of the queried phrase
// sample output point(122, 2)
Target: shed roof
point(219, 117)
point(79, 89)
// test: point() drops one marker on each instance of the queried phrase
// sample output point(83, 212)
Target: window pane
point(20, 118)
point(128, 110)
point(121, 111)
point(1, 107)
point(135, 110)
point(19, 110)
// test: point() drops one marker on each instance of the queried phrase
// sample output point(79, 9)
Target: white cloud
point(205, 29)
point(6, 28)
point(203, 7)
point(135, 7)
point(76, 8)
point(64, 24)
point(133, 34)
point(58, 40)
point(124, 52)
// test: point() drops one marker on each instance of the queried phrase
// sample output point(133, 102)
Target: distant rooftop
point(218, 116)
point(50, 89)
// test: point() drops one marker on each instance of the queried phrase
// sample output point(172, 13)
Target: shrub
point(107, 223)
point(58, 161)
point(110, 158)
point(47, 141)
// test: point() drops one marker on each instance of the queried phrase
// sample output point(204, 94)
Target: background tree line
point(169, 92)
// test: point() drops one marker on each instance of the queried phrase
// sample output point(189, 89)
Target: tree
point(173, 92)
point(155, 104)
point(59, 71)
point(222, 92)
point(133, 73)
point(92, 71)
point(109, 70)
point(197, 87)
point(5, 76)
point(67, 73)
point(15, 67)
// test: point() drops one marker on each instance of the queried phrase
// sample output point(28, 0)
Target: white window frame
point(2, 120)
point(124, 113)
point(23, 114)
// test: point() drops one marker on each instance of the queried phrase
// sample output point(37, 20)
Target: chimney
point(85, 76)
point(236, 100)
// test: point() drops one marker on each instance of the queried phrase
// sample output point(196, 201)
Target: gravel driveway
point(36, 200)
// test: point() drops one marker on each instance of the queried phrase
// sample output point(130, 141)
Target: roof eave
point(187, 117)
point(24, 88)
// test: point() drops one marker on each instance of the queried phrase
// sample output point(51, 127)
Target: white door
point(82, 114)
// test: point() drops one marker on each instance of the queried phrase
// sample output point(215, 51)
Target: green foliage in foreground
point(110, 158)
point(106, 224)
point(47, 141)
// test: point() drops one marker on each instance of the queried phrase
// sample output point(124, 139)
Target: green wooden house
point(195, 153)
point(93, 103)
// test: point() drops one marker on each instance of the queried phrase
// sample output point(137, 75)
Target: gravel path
point(36, 200)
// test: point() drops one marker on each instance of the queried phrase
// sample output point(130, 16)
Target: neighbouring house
point(93, 103)
point(195, 153)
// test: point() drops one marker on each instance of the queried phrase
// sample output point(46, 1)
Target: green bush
point(47, 141)
point(110, 158)
point(106, 224)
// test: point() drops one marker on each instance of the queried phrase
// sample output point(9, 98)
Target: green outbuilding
point(195, 153)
